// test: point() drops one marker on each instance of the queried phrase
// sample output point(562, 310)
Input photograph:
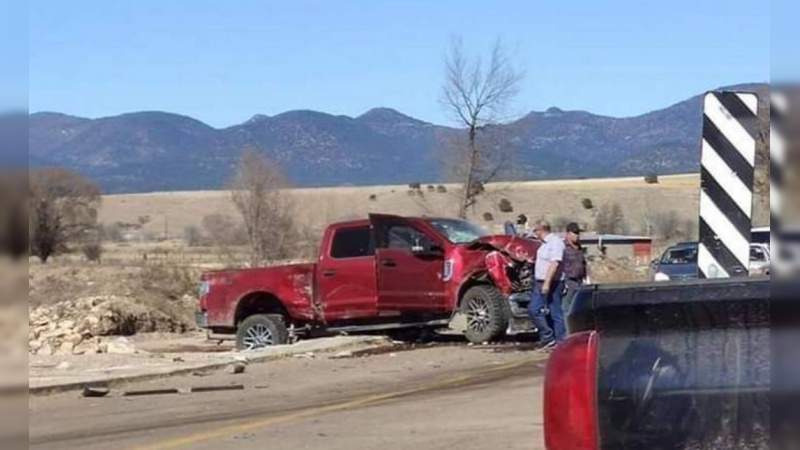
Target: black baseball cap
point(573, 227)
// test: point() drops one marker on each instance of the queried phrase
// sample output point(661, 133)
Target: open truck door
point(409, 266)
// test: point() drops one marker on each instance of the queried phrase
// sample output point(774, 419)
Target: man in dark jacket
point(575, 271)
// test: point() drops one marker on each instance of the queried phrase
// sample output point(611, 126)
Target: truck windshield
point(458, 231)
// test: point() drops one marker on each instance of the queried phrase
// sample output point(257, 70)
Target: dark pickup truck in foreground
point(679, 365)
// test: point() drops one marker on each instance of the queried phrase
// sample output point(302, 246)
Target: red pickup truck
point(384, 273)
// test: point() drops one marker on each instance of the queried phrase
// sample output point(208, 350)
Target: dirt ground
point(443, 396)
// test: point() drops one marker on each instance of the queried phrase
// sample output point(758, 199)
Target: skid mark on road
point(475, 378)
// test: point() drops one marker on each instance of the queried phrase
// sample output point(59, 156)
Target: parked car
point(679, 262)
point(384, 273)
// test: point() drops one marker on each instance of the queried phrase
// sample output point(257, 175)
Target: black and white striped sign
point(730, 131)
point(777, 159)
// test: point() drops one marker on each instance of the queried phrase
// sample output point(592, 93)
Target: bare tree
point(257, 191)
point(223, 230)
point(478, 96)
point(63, 210)
point(610, 220)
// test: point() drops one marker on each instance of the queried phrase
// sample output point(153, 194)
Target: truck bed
point(682, 365)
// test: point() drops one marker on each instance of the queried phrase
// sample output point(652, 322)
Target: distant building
point(638, 248)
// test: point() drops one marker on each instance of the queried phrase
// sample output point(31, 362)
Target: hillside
point(158, 151)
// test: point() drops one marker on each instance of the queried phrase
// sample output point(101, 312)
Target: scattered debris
point(231, 387)
point(151, 392)
point(120, 345)
point(95, 391)
point(75, 326)
point(235, 368)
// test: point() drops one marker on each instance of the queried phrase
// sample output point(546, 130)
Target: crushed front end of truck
point(509, 262)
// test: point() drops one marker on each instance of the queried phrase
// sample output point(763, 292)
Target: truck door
point(409, 263)
point(346, 274)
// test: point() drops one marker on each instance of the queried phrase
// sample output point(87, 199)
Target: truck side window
point(352, 243)
point(405, 237)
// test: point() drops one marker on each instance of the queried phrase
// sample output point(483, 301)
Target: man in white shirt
point(545, 307)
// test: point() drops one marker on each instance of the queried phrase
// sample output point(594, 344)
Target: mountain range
point(158, 151)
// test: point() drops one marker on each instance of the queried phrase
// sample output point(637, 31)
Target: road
point(443, 396)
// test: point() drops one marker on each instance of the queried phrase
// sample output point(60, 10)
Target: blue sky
point(222, 62)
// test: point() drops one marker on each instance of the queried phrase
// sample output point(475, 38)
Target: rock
point(235, 368)
point(63, 365)
point(66, 348)
point(45, 350)
point(74, 338)
point(120, 345)
point(67, 324)
point(34, 346)
point(343, 354)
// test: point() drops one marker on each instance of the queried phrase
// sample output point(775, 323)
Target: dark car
point(678, 262)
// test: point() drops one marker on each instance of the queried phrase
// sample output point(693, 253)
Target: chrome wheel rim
point(478, 315)
point(258, 336)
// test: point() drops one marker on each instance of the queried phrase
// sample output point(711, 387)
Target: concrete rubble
point(84, 325)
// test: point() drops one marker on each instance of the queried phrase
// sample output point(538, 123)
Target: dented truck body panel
point(382, 285)
point(292, 284)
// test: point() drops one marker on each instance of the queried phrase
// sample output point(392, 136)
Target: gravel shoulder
point(156, 358)
point(433, 397)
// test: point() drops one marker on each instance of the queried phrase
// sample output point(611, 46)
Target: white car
point(760, 259)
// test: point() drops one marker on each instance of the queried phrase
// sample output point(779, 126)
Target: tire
point(487, 314)
point(261, 330)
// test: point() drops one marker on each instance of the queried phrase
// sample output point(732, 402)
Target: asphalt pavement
point(442, 396)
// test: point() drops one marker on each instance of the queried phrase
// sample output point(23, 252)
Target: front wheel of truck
point(261, 330)
point(487, 314)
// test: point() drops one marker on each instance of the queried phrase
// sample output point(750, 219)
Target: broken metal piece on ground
point(150, 392)
point(231, 387)
point(95, 391)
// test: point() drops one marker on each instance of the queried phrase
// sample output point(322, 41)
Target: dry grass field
point(171, 212)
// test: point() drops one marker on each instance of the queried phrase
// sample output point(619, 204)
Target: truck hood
point(518, 248)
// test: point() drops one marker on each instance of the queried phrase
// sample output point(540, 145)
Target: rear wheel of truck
point(486, 312)
point(261, 330)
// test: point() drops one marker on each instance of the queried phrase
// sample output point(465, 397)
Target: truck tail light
point(570, 399)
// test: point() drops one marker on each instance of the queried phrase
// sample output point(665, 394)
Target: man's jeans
point(545, 312)
point(570, 292)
